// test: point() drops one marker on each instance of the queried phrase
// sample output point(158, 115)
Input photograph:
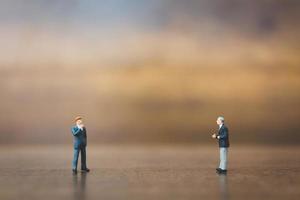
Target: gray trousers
point(223, 158)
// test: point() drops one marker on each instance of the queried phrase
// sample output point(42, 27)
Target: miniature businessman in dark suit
point(223, 137)
point(80, 142)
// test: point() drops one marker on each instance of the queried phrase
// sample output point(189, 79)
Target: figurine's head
point(78, 120)
point(220, 120)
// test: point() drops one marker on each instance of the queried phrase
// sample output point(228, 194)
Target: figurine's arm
point(224, 134)
point(85, 136)
point(75, 131)
point(85, 133)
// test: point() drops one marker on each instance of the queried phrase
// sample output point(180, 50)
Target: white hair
point(221, 118)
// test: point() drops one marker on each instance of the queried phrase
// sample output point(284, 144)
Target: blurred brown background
point(150, 71)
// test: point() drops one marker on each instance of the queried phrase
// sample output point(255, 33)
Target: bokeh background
point(148, 72)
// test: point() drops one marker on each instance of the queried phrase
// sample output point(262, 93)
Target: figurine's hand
point(80, 126)
point(214, 135)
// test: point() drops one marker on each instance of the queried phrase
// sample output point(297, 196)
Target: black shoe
point(85, 170)
point(218, 169)
point(222, 171)
point(74, 171)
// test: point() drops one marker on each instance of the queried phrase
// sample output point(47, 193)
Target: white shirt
point(220, 126)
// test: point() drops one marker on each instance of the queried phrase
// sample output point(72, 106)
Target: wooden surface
point(152, 172)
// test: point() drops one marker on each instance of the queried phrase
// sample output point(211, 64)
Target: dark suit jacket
point(80, 139)
point(224, 136)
